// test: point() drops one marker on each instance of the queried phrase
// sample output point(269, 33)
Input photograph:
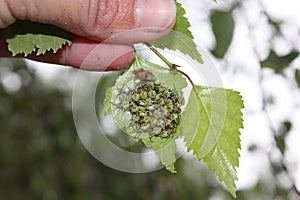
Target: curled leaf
point(125, 101)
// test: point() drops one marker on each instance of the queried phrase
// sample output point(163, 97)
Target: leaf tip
point(233, 193)
point(171, 168)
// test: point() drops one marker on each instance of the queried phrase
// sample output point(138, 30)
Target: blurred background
point(255, 44)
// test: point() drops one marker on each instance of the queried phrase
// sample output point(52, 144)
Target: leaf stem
point(174, 67)
point(187, 76)
point(159, 54)
point(171, 65)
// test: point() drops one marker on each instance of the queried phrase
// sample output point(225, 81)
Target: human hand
point(120, 23)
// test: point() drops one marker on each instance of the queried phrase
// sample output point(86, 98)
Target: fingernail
point(157, 14)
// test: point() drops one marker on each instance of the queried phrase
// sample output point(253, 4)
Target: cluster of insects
point(154, 108)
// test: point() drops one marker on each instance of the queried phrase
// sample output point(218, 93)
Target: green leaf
point(297, 77)
point(182, 23)
point(215, 137)
point(107, 102)
point(276, 24)
point(279, 63)
point(203, 119)
point(39, 43)
point(180, 38)
point(164, 147)
point(223, 28)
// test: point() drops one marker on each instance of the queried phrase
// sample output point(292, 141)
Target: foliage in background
point(279, 65)
point(223, 27)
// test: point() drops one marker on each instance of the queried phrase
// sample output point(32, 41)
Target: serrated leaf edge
point(216, 148)
point(35, 49)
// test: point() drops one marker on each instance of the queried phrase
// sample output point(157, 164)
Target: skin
point(104, 29)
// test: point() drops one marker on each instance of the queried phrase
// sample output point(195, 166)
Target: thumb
point(98, 19)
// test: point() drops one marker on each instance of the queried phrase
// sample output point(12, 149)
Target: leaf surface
point(210, 127)
point(165, 148)
point(182, 23)
point(107, 102)
point(180, 38)
point(39, 43)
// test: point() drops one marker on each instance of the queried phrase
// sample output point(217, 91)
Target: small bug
point(143, 113)
point(134, 109)
point(135, 97)
point(152, 94)
point(144, 75)
point(145, 127)
point(144, 95)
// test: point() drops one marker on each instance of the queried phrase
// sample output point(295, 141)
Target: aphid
point(160, 123)
point(157, 113)
point(176, 109)
point(135, 118)
point(169, 101)
point(134, 109)
point(152, 94)
point(143, 113)
point(174, 118)
point(161, 102)
point(146, 87)
point(158, 97)
point(135, 97)
point(168, 122)
point(142, 103)
point(164, 134)
point(143, 108)
point(156, 131)
point(150, 108)
point(146, 119)
point(149, 101)
point(170, 106)
point(144, 95)
point(145, 126)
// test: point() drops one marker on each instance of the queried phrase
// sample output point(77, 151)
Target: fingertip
point(122, 62)
point(102, 57)
point(155, 14)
